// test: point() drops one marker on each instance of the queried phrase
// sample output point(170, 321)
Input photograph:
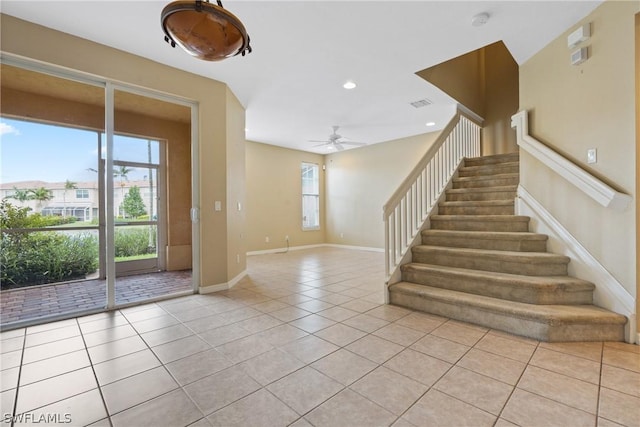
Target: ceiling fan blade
point(338, 146)
point(316, 140)
point(323, 143)
point(353, 143)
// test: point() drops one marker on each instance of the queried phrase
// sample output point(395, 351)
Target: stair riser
point(490, 244)
point(496, 320)
point(479, 196)
point(476, 210)
point(506, 264)
point(488, 170)
point(483, 286)
point(482, 183)
point(512, 225)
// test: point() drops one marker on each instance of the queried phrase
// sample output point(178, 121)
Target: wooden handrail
point(586, 182)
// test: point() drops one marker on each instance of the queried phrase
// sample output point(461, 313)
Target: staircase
point(480, 264)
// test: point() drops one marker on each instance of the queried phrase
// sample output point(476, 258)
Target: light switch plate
point(592, 155)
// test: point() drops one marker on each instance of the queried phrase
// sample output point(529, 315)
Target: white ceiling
point(303, 51)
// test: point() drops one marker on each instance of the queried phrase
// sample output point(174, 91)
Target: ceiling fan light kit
point(204, 30)
point(334, 143)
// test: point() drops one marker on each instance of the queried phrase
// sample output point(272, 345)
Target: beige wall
point(486, 82)
point(274, 203)
point(42, 44)
point(637, 167)
point(574, 108)
point(360, 181)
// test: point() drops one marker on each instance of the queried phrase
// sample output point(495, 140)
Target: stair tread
point(483, 189)
point(486, 177)
point(550, 314)
point(498, 218)
point(479, 203)
point(505, 278)
point(488, 235)
point(533, 257)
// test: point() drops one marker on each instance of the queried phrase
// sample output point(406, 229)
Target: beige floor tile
point(359, 305)
point(458, 333)
point(224, 334)
point(305, 389)
point(125, 366)
point(51, 326)
point(136, 314)
point(171, 409)
point(258, 409)
point(418, 366)
point(390, 313)
point(290, 313)
point(180, 348)
point(136, 389)
point(619, 407)
point(338, 313)
point(566, 364)
point(401, 422)
point(7, 400)
point(528, 409)
point(9, 378)
point(493, 365)
point(394, 392)
point(259, 323)
point(603, 422)
point(239, 315)
point(441, 348)
point(478, 390)
point(282, 335)
point(312, 323)
point(348, 408)
point(269, 306)
point(218, 390)
point(623, 346)
point(203, 422)
point(198, 366)
point(152, 324)
point(45, 351)
point(118, 348)
point(376, 349)
point(512, 337)
point(271, 366)
point(587, 350)
point(314, 306)
point(560, 388)
point(438, 409)
point(79, 410)
point(165, 335)
point(107, 335)
point(12, 344)
point(399, 334)
point(205, 323)
point(344, 366)
point(335, 299)
point(294, 299)
point(309, 349)
point(45, 392)
point(507, 347)
point(621, 359)
point(53, 366)
point(504, 423)
point(365, 323)
point(11, 359)
point(340, 334)
point(422, 322)
point(621, 380)
point(244, 348)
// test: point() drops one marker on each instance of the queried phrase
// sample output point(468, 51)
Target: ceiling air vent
point(421, 103)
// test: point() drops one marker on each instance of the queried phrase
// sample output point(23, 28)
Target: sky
point(32, 151)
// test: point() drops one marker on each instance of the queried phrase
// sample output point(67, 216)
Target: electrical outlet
point(592, 155)
point(286, 238)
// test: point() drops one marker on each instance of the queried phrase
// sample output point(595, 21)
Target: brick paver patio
point(17, 305)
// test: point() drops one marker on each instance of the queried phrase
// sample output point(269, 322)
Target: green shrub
point(46, 257)
point(132, 241)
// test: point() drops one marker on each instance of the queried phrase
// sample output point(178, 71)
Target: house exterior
point(571, 109)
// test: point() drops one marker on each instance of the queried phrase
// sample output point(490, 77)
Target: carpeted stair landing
point(480, 264)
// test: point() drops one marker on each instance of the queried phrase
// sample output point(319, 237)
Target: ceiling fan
point(335, 141)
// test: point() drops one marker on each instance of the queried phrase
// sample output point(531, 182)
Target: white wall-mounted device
point(578, 36)
point(579, 56)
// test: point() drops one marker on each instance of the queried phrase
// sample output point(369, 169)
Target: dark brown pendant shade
point(204, 30)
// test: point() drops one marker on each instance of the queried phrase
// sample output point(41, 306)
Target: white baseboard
point(222, 286)
point(356, 248)
point(609, 293)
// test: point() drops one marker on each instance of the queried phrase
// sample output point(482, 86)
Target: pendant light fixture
point(204, 30)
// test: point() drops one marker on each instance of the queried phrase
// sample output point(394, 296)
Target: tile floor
point(305, 340)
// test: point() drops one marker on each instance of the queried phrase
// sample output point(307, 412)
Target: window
point(310, 196)
point(82, 194)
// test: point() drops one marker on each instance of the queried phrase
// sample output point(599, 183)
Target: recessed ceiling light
point(349, 85)
point(480, 19)
point(431, 123)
